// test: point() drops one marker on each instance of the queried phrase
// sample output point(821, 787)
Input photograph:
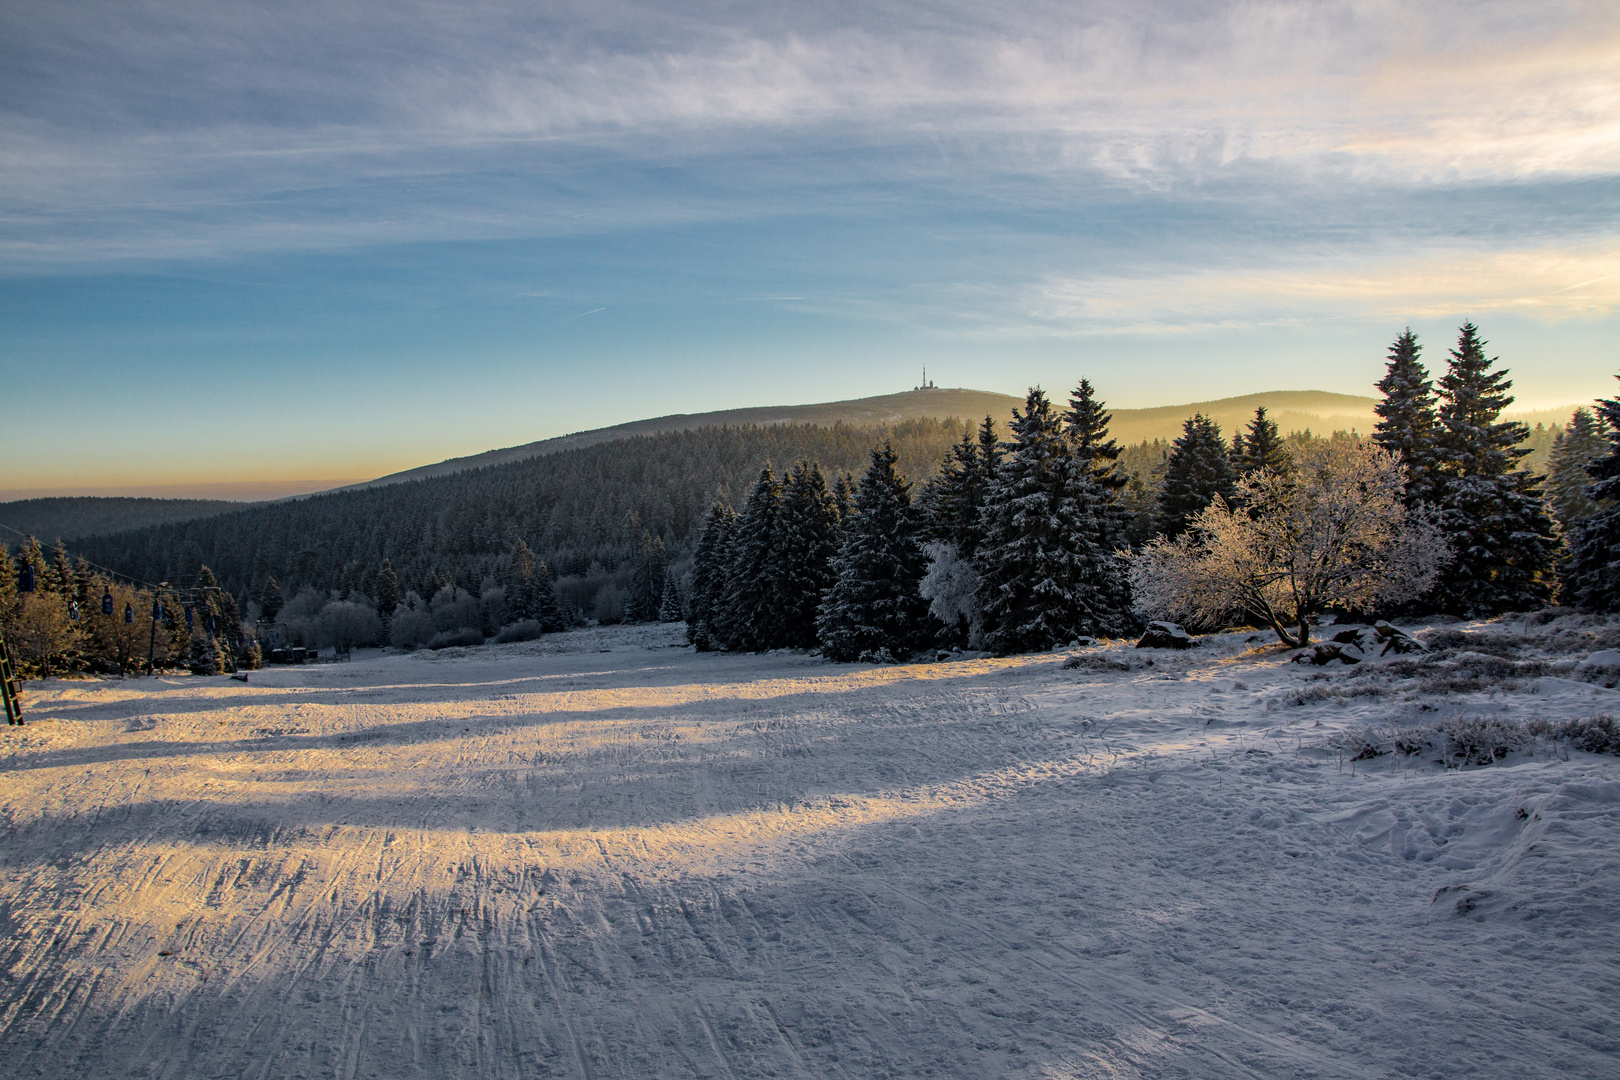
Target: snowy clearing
point(603, 855)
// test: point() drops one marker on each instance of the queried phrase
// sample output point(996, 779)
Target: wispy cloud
point(196, 127)
point(1549, 284)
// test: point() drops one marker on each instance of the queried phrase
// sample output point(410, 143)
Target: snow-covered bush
point(522, 630)
point(466, 635)
point(1593, 734)
point(951, 587)
point(1331, 531)
point(1480, 740)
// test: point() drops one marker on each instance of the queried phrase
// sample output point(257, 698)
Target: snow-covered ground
point(602, 855)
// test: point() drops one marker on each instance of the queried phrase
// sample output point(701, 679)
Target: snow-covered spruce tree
point(1330, 531)
point(844, 499)
point(543, 600)
point(1408, 424)
point(1263, 447)
point(711, 565)
point(1591, 570)
point(1045, 574)
point(669, 606)
point(1576, 446)
point(873, 609)
point(950, 503)
point(806, 544)
point(951, 506)
point(753, 616)
point(1493, 515)
point(1198, 471)
point(522, 593)
point(1085, 423)
point(646, 579)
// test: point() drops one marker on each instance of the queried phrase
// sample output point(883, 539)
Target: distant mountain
point(71, 518)
point(860, 412)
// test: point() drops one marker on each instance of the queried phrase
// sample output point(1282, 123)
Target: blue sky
point(291, 244)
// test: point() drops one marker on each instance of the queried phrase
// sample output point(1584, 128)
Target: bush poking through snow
point(1593, 734)
point(465, 635)
point(522, 630)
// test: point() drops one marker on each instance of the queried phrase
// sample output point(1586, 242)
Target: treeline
point(954, 535)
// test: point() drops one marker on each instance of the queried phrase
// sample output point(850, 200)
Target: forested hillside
point(573, 509)
point(71, 518)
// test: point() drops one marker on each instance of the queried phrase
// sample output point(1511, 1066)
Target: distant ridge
point(888, 409)
point(1294, 410)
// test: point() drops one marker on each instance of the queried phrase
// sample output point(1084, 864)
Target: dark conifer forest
point(573, 509)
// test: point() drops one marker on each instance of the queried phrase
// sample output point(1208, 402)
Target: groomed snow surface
point(603, 855)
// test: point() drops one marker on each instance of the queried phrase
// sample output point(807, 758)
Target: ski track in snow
point(603, 856)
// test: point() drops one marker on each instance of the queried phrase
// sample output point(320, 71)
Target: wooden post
point(10, 685)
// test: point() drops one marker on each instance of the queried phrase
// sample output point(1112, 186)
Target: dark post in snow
point(10, 685)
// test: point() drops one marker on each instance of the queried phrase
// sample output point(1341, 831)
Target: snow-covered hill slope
point(602, 855)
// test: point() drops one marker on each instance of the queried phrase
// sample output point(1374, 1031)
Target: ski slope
point(603, 855)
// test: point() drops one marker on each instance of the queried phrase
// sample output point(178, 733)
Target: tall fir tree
point(1577, 445)
point(1591, 570)
point(844, 499)
point(951, 501)
point(806, 543)
point(1263, 447)
point(873, 609)
point(669, 607)
point(753, 613)
point(711, 565)
point(1408, 420)
point(647, 572)
point(1198, 471)
point(1085, 422)
point(547, 612)
point(388, 594)
point(1046, 569)
point(1493, 515)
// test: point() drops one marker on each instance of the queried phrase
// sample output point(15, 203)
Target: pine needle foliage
point(1198, 472)
point(1492, 514)
point(874, 609)
point(1592, 567)
point(1047, 574)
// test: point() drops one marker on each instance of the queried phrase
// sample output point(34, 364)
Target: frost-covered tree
point(874, 609)
point(1493, 515)
point(647, 573)
point(951, 587)
point(711, 566)
point(1408, 423)
point(753, 612)
point(1576, 446)
point(1047, 572)
point(1591, 575)
point(1331, 531)
point(669, 605)
point(807, 538)
point(1199, 471)
point(1262, 447)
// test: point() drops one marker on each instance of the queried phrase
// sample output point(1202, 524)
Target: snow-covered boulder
point(1363, 643)
point(1603, 659)
point(1165, 635)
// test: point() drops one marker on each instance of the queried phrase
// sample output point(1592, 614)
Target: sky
point(252, 248)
